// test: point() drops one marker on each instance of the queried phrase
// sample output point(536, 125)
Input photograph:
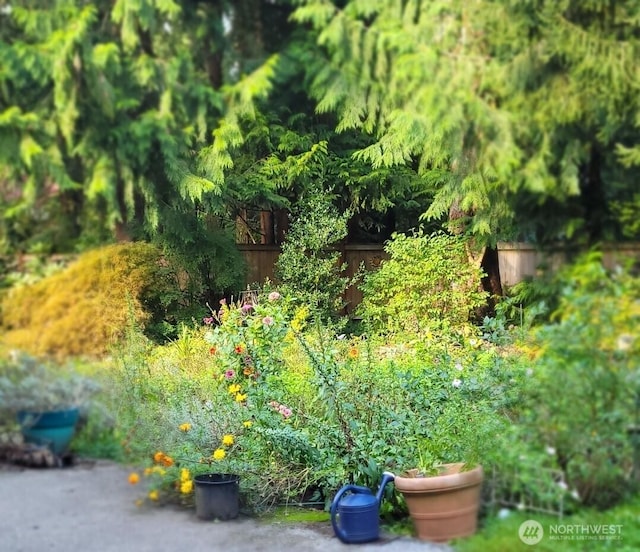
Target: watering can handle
point(334, 507)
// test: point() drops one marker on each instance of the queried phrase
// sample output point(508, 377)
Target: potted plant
point(445, 504)
point(460, 406)
point(44, 398)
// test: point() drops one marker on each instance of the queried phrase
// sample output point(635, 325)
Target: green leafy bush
point(309, 268)
point(587, 377)
point(83, 309)
point(427, 283)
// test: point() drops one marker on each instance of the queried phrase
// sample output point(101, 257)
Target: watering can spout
point(386, 478)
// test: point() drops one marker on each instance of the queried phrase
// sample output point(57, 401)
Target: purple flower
point(230, 374)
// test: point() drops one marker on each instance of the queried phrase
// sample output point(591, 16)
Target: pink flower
point(230, 374)
point(274, 296)
point(246, 307)
point(208, 320)
point(267, 321)
point(285, 411)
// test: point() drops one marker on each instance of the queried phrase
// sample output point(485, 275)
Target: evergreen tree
point(103, 107)
point(516, 111)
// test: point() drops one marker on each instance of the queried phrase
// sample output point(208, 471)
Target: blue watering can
point(355, 517)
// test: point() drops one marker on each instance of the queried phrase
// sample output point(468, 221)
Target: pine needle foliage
point(513, 105)
point(102, 105)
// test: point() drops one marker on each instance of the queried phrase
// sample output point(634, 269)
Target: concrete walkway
point(91, 508)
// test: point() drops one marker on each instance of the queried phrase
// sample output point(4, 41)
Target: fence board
point(261, 259)
point(520, 261)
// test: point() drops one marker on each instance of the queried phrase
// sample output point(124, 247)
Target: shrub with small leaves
point(427, 283)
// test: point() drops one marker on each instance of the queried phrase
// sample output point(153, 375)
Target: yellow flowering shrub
point(84, 309)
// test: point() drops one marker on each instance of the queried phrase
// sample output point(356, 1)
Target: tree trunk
point(593, 196)
point(491, 283)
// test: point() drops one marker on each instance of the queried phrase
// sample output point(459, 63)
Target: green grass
point(296, 514)
point(498, 535)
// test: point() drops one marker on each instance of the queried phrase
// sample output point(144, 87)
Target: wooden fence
point(519, 261)
point(261, 259)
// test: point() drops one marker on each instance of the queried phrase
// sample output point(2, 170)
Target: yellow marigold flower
point(234, 388)
point(154, 495)
point(134, 478)
point(240, 397)
point(185, 427)
point(353, 353)
point(186, 486)
point(185, 475)
point(158, 457)
point(248, 423)
point(167, 461)
point(219, 454)
point(227, 440)
point(148, 471)
point(158, 470)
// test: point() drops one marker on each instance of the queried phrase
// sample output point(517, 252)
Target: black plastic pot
point(217, 496)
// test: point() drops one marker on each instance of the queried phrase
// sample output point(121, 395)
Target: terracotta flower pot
point(443, 506)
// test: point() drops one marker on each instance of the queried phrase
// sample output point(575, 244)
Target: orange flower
point(167, 461)
point(213, 351)
point(353, 353)
point(247, 371)
point(240, 348)
point(158, 457)
point(134, 478)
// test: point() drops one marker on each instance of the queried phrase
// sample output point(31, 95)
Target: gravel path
point(91, 508)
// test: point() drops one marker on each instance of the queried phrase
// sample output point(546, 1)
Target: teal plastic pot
point(217, 496)
point(53, 429)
